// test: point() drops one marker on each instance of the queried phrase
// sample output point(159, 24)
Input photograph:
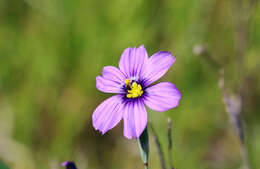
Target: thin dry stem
point(233, 104)
point(159, 147)
point(170, 143)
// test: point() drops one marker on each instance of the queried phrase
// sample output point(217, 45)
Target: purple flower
point(132, 84)
point(69, 165)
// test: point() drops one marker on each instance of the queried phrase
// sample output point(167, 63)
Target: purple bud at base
point(69, 165)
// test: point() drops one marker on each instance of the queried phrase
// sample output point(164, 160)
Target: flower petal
point(158, 65)
point(133, 60)
point(111, 80)
point(135, 119)
point(108, 114)
point(162, 96)
point(113, 73)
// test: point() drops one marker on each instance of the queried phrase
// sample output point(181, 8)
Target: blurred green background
point(52, 50)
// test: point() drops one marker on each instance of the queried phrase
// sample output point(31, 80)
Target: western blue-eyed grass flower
point(69, 165)
point(132, 83)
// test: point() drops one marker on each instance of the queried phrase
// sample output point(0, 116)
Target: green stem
point(143, 142)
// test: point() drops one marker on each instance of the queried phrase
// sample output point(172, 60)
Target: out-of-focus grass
point(51, 52)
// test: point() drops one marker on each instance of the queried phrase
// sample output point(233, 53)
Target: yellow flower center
point(135, 89)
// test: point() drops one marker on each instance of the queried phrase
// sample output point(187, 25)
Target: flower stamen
point(127, 82)
point(135, 90)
